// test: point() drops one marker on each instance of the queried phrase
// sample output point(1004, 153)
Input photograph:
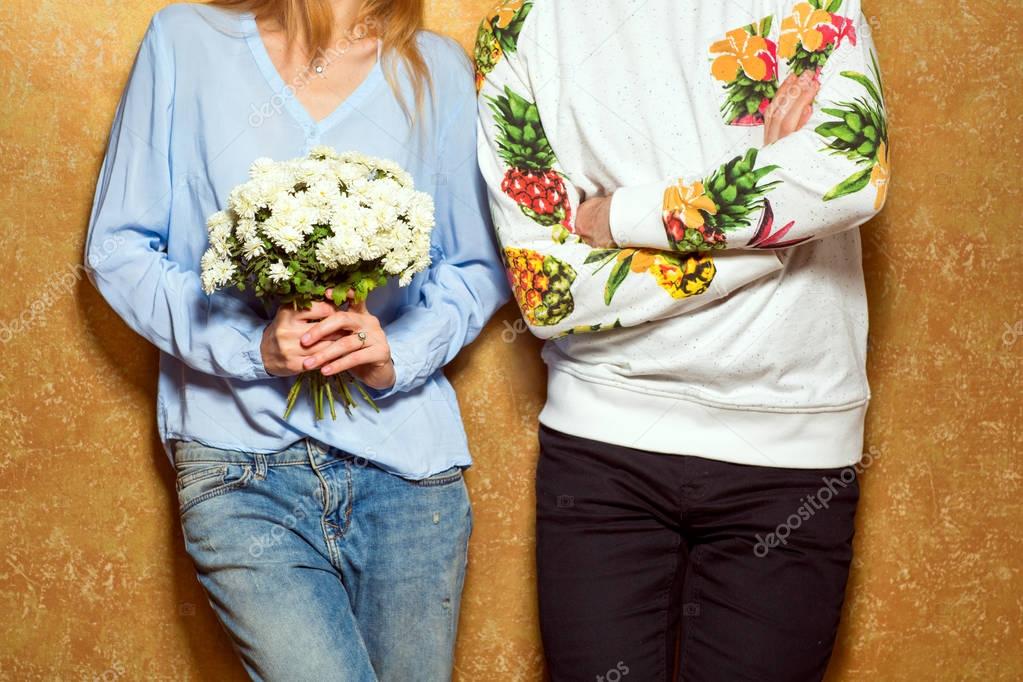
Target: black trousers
point(652, 566)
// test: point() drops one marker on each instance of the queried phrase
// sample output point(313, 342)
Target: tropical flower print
point(498, 35)
point(811, 32)
point(687, 206)
point(859, 132)
point(699, 216)
point(746, 61)
point(879, 176)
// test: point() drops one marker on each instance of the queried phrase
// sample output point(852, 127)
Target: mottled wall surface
point(94, 581)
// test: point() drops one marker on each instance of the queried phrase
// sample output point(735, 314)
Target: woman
point(330, 550)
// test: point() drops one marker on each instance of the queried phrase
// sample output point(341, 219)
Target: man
point(677, 188)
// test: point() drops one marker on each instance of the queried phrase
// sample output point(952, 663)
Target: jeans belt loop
point(260, 461)
point(314, 447)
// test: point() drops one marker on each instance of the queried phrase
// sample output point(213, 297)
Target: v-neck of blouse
point(314, 128)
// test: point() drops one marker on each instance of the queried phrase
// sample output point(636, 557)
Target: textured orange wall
point(94, 581)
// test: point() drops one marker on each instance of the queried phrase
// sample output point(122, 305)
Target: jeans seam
point(220, 490)
point(437, 482)
point(188, 478)
point(343, 529)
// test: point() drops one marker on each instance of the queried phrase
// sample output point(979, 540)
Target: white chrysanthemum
point(247, 229)
point(279, 272)
point(285, 235)
point(261, 167)
point(370, 205)
point(421, 212)
point(340, 250)
point(219, 226)
point(253, 248)
point(324, 192)
point(323, 152)
point(217, 271)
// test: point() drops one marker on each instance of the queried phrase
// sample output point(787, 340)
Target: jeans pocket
point(198, 482)
point(446, 477)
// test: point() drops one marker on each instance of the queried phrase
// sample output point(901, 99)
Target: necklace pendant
point(318, 68)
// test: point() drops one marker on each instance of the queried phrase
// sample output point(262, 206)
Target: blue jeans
point(322, 566)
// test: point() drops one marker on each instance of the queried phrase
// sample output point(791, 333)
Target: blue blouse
point(203, 101)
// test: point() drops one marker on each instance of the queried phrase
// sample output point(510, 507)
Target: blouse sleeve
point(125, 253)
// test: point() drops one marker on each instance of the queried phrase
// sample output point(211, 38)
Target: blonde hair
point(395, 22)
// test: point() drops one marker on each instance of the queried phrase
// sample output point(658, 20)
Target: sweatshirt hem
point(676, 425)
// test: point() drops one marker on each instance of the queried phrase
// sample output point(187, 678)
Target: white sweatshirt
point(732, 322)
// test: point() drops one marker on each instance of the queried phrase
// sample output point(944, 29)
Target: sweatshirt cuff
point(636, 220)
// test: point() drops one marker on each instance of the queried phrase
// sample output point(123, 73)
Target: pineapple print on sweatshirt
point(715, 327)
point(499, 34)
point(699, 216)
point(680, 275)
point(542, 286)
point(860, 133)
point(531, 180)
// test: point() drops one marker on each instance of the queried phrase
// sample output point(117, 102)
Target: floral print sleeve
point(562, 286)
point(830, 176)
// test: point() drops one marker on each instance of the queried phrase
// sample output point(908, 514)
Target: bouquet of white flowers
point(328, 221)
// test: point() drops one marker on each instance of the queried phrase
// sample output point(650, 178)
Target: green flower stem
point(321, 392)
point(365, 396)
point(330, 400)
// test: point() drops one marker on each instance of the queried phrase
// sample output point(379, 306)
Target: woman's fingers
point(333, 351)
point(335, 323)
point(369, 355)
point(319, 311)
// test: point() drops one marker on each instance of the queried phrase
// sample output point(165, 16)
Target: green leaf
point(866, 83)
point(618, 274)
point(850, 185)
point(600, 255)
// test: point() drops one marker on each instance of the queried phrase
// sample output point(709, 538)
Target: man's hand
point(593, 223)
point(351, 341)
point(788, 112)
point(282, 349)
point(791, 107)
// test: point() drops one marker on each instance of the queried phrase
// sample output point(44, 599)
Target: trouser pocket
point(204, 473)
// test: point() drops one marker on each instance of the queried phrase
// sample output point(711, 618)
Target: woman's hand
point(350, 340)
point(284, 355)
point(791, 107)
point(593, 223)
